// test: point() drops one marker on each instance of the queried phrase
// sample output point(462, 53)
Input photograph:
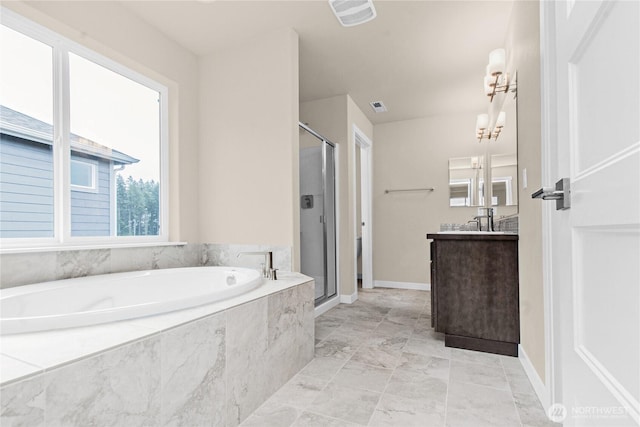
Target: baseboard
point(349, 299)
point(401, 285)
point(534, 378)
point(326, 306)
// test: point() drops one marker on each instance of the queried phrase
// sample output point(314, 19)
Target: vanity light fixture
point(497, 79)
point(482, 126)
point(353, 12)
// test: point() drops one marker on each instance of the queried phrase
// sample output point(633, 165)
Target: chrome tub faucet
point(268, 272)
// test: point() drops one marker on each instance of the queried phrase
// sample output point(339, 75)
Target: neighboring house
point(26, 180)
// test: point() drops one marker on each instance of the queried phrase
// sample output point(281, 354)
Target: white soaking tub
point(120, 296)
point(146, 370)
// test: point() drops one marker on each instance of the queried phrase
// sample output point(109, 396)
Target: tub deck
point(208, 365)
point(28, 354)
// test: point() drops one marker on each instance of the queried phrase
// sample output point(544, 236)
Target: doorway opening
point(362, 219)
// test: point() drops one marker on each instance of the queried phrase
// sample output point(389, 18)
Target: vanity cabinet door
point(478, 285)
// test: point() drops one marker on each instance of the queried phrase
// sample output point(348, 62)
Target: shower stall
point(318, 212)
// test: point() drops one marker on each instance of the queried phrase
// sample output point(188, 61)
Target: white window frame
point(93, 165)
point(459, 201)
point(508, 184)
point(61, 47)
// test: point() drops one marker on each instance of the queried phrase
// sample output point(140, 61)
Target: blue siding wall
point(90, 214)
point(26, 193)
point(26, 188)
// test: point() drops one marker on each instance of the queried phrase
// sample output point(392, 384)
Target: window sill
point(86, 247)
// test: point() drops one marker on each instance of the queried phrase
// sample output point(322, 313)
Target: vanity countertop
point(472, 235)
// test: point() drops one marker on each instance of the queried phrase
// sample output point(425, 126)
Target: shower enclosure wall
point(317, 212)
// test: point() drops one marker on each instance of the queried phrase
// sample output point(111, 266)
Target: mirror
point(504, 180)
point(466, 181)
point(499, 166)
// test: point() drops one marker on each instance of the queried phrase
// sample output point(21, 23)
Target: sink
point(472, 232)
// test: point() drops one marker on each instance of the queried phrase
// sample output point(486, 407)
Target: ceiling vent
point(353, 12)
point(378, 106)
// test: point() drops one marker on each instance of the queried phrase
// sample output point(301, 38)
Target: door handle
point(561, 194)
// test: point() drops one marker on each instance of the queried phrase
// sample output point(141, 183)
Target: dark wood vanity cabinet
point(474, 291)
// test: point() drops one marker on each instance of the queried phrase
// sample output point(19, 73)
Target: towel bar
point(409, 189)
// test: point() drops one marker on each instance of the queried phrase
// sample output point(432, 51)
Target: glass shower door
point(317, 213)
point(330, 220)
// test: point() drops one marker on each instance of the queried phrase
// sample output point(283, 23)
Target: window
point(460, 192)
point(26, 146)
point(83, 175)
point(83, 150)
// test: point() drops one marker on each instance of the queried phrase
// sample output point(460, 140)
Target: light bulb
point(482, 121)
point(497, 62)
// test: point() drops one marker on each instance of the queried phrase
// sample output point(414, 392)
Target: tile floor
point(379, 363)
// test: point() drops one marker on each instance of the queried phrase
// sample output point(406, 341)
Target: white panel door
point(364, 144)
point(595, 245)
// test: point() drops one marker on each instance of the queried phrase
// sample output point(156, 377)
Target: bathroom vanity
point(474, 290)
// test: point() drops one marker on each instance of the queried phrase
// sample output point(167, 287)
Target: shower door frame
point(325, 142)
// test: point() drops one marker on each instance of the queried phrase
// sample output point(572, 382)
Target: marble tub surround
point(158, 257)
point(227, 254)
point(408, 377)
point(39, 351)
point(26, 268)
point(211, 365)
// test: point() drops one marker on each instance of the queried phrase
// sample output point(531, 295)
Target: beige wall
point(142, 48)
point(248, 159)
point(334, 118)
point(415, 154)
point(523, 49)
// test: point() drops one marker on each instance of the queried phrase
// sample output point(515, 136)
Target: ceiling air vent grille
point(353, 12)
point(378, 106)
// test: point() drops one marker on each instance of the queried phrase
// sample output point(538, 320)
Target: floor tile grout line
point(446, 400)
point(390, 376)
point(469, 362)
point(383, 391)
point(350, 360)
point(513, 398)
point(483, 385)
point(332, 418)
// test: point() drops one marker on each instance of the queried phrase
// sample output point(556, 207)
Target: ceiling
point(419, 57)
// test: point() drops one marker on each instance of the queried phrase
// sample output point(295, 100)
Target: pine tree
point(138, 207)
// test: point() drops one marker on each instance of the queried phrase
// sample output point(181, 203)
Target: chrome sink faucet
point(268, 272)
point(489, 217)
